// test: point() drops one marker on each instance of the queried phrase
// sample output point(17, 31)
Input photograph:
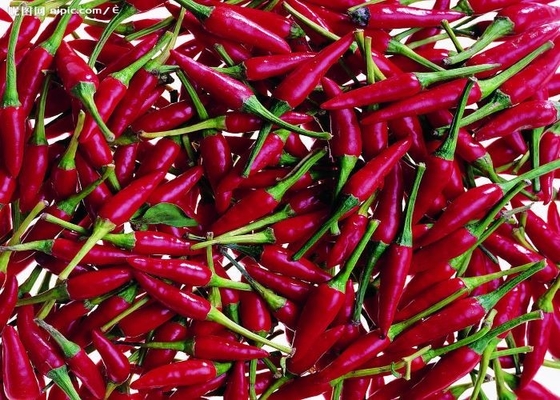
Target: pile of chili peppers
point(279, 199)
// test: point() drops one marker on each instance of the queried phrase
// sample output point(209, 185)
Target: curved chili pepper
point(78, 362)
point(18, 377)
point(360, 187)
point(328, 296)
point(200, 389)
point(233, 93)
point(116, 363)
point(298, 227)
point(43, 354)
point(237, 385)
point(65, 319)
point(290, 288)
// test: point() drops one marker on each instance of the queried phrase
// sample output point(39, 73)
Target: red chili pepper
point(181, 373)
point(237, 384)
point(29, 28)
point(527, 115)
point(174, 330)
point(200, 389)
point(538, 334)
point(360, 187)
point(78, 362)
point(346, 143)
point(117, 366)
point(459, 315)
point(397, 263)
point(329, 297)
point(106, 311)
point(12, 114)
point(111, 92)
point(395, 16)
point(8, 298)
point(213, 347)
point(394, 88)
point(278, 259)
point(85, 286)
point(439, 164)
point(509, 52)
point(18, 377)
point(43, 354)
point(233, 93)
point(192, 306)
point(226, 20)
point(265, 67)
point(244, 211)
point(298, 227)
point(549, 149)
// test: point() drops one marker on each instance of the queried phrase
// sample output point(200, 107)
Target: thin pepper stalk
point(198, 308)
point(327, 296)
point(78, 361)
point(397, 263)
point(360, 187)
point(514, 19)
point(18, 233)
point(12, 115)
point(64, 176)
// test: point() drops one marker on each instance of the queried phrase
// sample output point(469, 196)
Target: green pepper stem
point(500, 27)
point(127, 10)
point(216, 315)
point(213, 123)
point(61, 378)
point(69, 348)
point(266, 236)
point(11, 96)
